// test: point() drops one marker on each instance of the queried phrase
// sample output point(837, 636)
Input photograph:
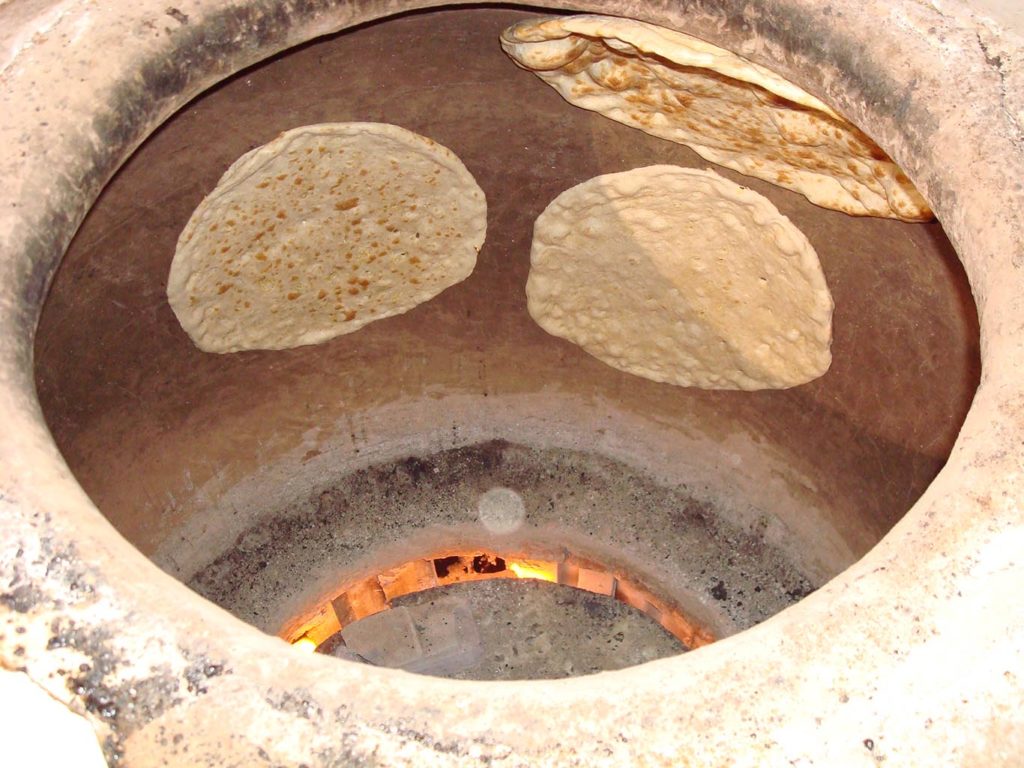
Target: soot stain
point(592, 496)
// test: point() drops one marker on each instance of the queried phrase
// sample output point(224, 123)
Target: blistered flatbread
point(681, 276)
point(727, 109)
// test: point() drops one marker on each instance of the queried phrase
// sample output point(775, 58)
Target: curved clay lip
point(912, 654)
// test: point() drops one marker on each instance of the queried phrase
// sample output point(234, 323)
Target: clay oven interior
point(266, 480)
point(235, 472)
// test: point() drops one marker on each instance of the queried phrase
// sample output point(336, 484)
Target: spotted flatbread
point(321, 231)
point(729, 110)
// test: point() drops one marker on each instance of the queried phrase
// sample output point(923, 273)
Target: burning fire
point(527, 569)
point(375, 593)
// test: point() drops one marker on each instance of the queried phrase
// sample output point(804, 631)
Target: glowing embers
point(329, 625)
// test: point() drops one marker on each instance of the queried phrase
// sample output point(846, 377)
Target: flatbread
point(681, 276)
point(321, 231)
point(727, 109)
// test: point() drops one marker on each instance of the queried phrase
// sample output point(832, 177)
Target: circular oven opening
point(280, 484)
point(188, 682)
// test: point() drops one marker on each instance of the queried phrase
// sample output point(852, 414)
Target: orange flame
point(532, 569)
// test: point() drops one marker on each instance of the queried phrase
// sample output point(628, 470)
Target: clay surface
point(909, 656)
point(531, 629)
